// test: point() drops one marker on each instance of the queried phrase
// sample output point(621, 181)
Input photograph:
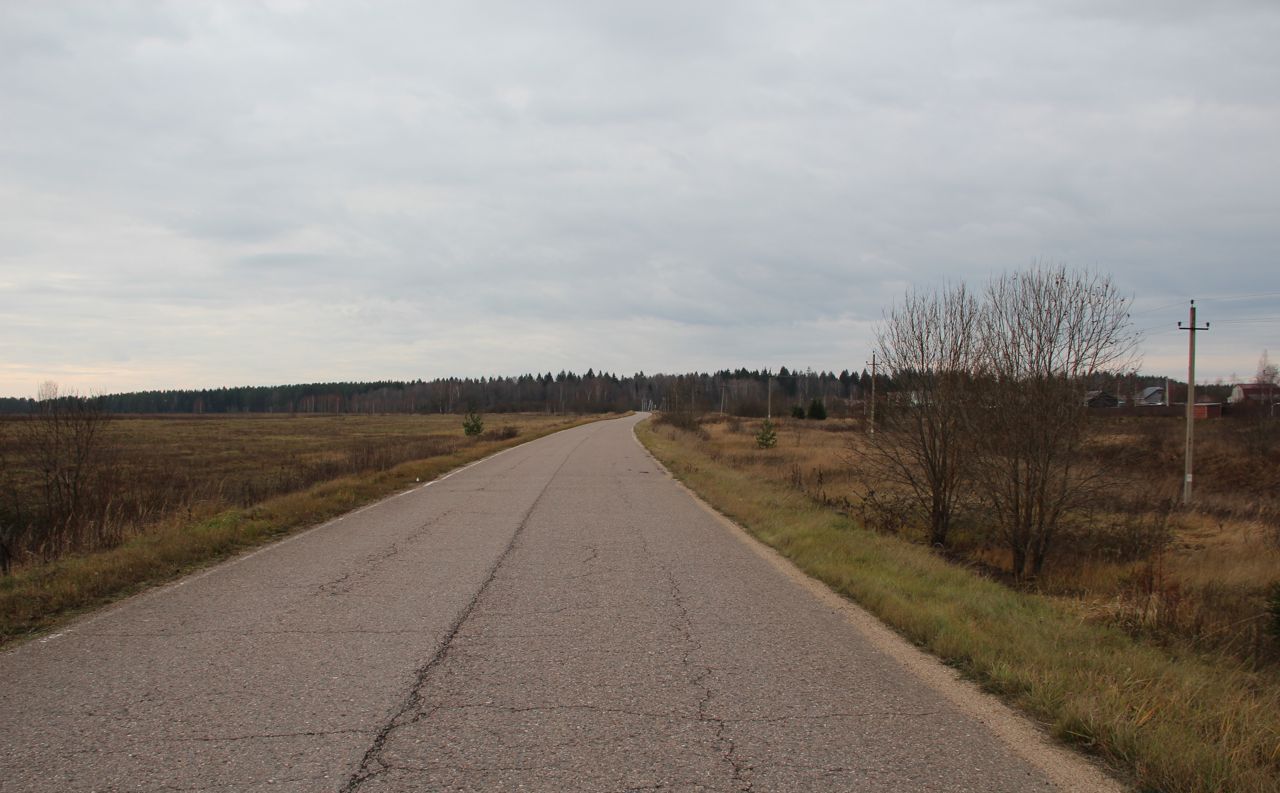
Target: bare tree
point(64, 448)
point(1268, 373)
point(682, 408)
point(1042, 334)
point(927, 346)
point(10, 514)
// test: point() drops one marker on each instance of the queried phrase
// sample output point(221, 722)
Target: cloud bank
point(212, 194)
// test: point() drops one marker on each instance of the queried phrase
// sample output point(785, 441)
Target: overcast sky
point(202, 194)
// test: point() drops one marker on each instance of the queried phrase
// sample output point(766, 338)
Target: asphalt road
point(562, 616)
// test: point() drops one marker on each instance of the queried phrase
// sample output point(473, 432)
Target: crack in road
point(343, 584)
point(593, 554)
point(740, 774)
point(413, 700)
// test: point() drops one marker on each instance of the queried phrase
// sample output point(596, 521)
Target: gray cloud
point(226, 193)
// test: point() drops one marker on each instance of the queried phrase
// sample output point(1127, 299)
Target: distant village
point(1257, 398)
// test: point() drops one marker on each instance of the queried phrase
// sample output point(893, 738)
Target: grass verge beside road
point(38, 597)
point(1164, 721)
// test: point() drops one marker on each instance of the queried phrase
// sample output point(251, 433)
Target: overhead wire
point(1146, 330)
point(1230, 298)
point(1262, 319)
point(1270, 321)
point(1153, 310)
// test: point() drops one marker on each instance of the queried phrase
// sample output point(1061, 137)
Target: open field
point(1171, 706)
point(185, 491)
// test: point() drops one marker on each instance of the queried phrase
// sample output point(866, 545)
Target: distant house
point(1101, 399)
point(1153, 395)
point(1264, 393)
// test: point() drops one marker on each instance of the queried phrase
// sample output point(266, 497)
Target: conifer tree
point(817, 410)
point(767, 438)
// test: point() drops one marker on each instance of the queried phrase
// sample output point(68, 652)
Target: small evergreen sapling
point(472, 424)
point(767, 438)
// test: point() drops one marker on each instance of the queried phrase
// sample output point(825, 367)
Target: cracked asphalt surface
point(562, 616)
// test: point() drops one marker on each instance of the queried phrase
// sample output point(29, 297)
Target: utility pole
point(768, 411)
point(872, 428)
point(1191, 398)
point(722, 399)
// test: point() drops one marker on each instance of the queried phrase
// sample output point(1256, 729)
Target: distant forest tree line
point(743, 392)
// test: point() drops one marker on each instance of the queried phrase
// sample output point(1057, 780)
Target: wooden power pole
point(872, 425)
point(1191, 399)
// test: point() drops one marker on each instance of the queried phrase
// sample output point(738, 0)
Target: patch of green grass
point(1180, 724)
point(38, 597)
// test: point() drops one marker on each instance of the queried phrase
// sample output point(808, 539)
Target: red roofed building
point(1264, 393)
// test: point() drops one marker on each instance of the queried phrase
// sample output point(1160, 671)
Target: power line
point(1153, 310)
point(1243, 320)
point(1220, 298)
point(1231, 298)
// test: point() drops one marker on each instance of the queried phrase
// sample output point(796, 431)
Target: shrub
point(797, 412)
point(885, 513)
point(472, 424)
point(504, 433)
point(62, 447)
point(683, 419)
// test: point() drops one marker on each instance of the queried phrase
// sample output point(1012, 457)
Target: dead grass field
point(1198, 577)
point(1189, 704)
point(187, 491)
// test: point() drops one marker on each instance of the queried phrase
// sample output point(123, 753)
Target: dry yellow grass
point(1206, 588)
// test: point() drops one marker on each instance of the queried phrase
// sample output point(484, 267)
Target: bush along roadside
point(1166, 722)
